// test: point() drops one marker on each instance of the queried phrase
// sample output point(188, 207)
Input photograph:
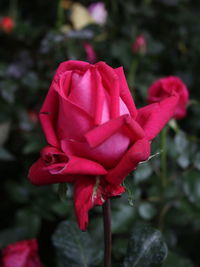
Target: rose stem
point(107, 233)
point(163, 146)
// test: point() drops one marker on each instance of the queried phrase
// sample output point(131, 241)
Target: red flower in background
point(139, 45)
point(7, 24)
point(21, 254)
point(169, 86)
point(96, 135)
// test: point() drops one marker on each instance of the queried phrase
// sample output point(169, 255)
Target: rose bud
point(91, 55)
point(140, 45)
point(95, 134)
point(33, 116)
point(98, 12)
point(170, 86)
point(7, 24)
point(21, 254)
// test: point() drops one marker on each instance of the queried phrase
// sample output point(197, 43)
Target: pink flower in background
point(91, 55)
point(95, 134)
point(139, 45)
point(98, 12)
point(169, 86)
point(21, 254)
point(7, 24)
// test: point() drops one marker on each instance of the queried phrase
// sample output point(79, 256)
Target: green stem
point(132, 72)
point(13, 9)
point(163, 147)
point(60, 15)
point(107, 233)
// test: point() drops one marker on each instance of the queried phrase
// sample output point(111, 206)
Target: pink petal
point(107, 154)
point(82, 92)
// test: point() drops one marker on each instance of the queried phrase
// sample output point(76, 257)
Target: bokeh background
point(40, 36)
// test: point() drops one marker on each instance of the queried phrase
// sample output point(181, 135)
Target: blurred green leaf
point(5, 154)
point(176, 260)
point(11, 235)
point(146, 248)
point(191, 186)
point(142, 173)
point(75, 248)
point(62, 191)
point(147, 211)
point(4, 131)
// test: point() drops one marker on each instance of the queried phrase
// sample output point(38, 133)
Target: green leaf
point(146, 248)
point(75, 248)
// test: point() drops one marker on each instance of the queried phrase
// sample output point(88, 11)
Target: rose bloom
point(169, 86)
point(95, 134)
point(7, 24)
point(139, 45)
point(98, 12)
point(21, 254)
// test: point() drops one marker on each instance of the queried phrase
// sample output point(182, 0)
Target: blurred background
point(150, 39)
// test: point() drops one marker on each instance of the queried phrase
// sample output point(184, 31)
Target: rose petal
point(38, 175)
point(48, 118)
point(125, 92)
point(101, 133)
point(139, 152)
point(153, 118)
point(86, 195)
point(111, 84)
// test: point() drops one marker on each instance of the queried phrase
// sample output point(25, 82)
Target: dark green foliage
point(146, 248)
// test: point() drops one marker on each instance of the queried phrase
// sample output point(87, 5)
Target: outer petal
point(48, 116)
point(72, 65)
point(125, 92)
point(39, 175)
point(153, 118)
point(86, 195)
point(76, 165)
point(139, 152)
point(73, 122)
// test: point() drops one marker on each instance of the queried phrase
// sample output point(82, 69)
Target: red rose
point(95, 134)
point(7, 24)
point(21, 254)
point(139, 45)
point(167, 87)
